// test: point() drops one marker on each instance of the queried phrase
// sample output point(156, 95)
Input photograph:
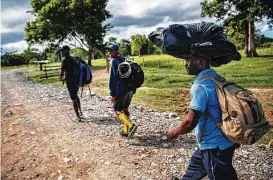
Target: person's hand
point(61, 78)
point(113, 100)
point(171, 134)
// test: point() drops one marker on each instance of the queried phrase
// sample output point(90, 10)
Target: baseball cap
point(112, 47)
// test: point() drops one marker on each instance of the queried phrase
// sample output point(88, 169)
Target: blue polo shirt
point(203, 96)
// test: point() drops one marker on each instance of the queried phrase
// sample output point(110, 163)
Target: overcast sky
point(129, 17)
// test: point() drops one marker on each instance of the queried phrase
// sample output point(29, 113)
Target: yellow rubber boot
point(126, 120)
point(125, 129)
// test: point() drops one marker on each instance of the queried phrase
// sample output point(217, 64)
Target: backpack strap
point(203, 130)
point(213, 79)
point(214, 120)
point(207, 114)
point(90, 91)
point(121, 60)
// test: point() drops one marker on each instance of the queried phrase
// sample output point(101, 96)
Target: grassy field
point(164, 81)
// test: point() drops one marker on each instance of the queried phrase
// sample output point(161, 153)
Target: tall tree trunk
point(246, 38)
point(251, 45)
point(90, 52)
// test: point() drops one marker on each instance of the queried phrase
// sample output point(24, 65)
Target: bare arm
point(186, 126)
point(62, 71)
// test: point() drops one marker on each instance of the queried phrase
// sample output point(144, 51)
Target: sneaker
point(78, 119)
point(175, 178)
point(122, 134)
point(80, 114)
point(132, 131)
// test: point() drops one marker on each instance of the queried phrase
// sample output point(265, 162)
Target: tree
point(62, 20)
point(124, 47)
point(79, 53)
point(153, 49)
point(242, 14)
point(139, 44)
point(12, 59)
point(29, 54)
point(112, 40)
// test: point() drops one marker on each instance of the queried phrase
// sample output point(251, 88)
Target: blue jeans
point(214, 163)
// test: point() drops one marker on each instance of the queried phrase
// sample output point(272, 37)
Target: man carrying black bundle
point(67, 69)
point(213, 158)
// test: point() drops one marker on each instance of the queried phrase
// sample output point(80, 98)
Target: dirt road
point(40, 141)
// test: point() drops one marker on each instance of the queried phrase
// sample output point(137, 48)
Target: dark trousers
point(214, 163)
point(123, 102)
point(72, 89)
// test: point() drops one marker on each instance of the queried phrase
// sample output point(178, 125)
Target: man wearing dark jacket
point(121, 95)
point(67, 69)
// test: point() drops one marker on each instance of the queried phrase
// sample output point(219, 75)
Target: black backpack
point(131, 73)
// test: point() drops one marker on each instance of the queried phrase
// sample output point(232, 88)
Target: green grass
point(150, 99)
point(260, 51)
point(253, 72)
point(98, 63)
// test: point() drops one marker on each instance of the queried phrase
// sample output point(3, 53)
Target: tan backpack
point(243, 116)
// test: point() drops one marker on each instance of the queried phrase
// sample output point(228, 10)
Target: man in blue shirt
point(214, 156)
point(120, 93)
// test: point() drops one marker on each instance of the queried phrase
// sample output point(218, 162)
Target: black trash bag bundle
point(199, 39)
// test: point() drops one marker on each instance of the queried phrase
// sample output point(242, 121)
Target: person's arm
point(62, 70)
point(198, 106)
point(113, 79)
point(185, 126)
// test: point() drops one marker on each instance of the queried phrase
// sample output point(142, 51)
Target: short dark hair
point(65, 47)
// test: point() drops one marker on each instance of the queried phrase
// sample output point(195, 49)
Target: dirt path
point(40, 141)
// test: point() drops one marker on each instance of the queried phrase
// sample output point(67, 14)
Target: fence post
point(41, 67)
point(45, 72)
point(143, 62)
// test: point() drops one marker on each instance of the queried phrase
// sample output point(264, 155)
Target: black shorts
point(73, 90)
point(123, 102)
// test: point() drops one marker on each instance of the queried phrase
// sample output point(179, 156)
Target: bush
point(52, 57)
point(12, 60)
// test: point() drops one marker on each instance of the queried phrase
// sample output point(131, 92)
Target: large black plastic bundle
point(199, 39)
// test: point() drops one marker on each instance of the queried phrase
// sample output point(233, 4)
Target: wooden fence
point(50, 71)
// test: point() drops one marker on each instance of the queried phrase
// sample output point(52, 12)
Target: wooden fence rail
point(49, 71)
